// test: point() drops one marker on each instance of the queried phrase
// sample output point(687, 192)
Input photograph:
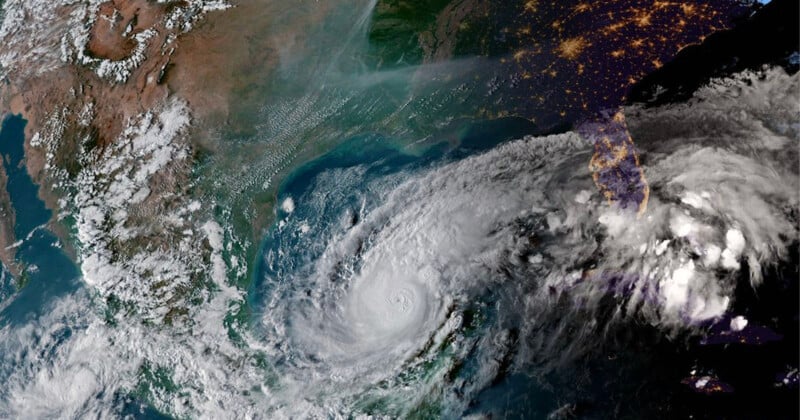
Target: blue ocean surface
point(380, 160)
point(48, 272)
point(327, 195)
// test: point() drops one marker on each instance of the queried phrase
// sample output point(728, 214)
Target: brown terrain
point(219, 68)
point(75, 87)
point(223, 66)
point(7, 228)
point(439, 41)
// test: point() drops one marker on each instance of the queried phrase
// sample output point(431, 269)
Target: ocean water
point(322, 199)
point(318, 206)
point(419, 269)
point(430, 283)
point(382, 160)
point(412, 282)
point(48, 272)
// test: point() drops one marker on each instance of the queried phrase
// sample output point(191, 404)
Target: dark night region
point(568, 61)
point(752, 367)
point(768, 37)
point(558, 61)
point(400, 209)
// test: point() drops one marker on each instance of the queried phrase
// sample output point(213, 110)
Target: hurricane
point(511, 261)
point(373, 218)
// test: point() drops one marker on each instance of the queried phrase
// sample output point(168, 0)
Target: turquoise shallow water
point(381, 160)
point(334, 97)
point(333, 193)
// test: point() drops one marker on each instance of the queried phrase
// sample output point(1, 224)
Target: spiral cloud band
point(388, 289)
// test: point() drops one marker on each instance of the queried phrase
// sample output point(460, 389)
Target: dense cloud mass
point(505, 261)
point(522, 229)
